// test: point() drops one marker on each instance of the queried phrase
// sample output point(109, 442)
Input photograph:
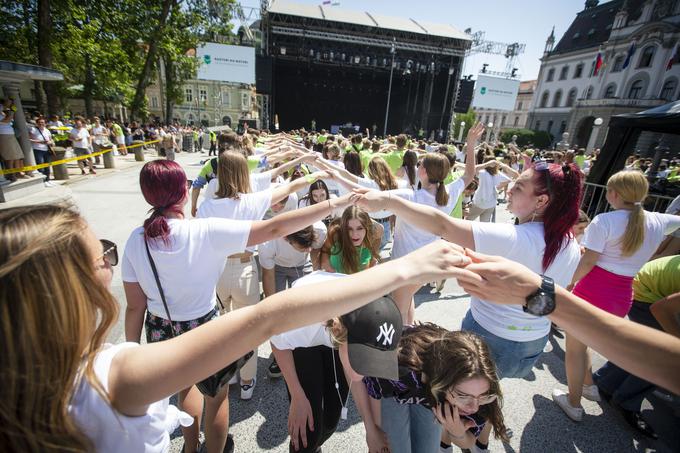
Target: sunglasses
point(543, 165)
point(110, 252)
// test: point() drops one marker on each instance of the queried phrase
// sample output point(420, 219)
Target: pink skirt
point(610, 292)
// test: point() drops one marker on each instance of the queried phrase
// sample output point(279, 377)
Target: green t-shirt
point(458, 209)
point(580, 160)
point(117, 130)
point(321, 139)
point(336, 259)
point(657, 279)
point(394, 159)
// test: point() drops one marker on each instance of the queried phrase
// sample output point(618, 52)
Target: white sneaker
point(590, 392)
point(247, 390)
point(560, 398)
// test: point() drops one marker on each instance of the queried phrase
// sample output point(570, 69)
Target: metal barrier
point(595, 202)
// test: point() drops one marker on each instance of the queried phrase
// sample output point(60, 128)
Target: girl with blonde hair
point(76, 393)
point(617, 244)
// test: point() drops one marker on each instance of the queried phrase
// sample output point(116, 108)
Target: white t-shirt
point(407, 237)
point(370, 184)
point(308, 336)
point(258, 183)
point(80, 138)
point(279, 252)
point(525, 244)
point(291, 205)
point(603, 235)
point(485, 197)
point(99, 133)
point(674, 208)
point(5, 128)
point(112, 432)
point(188, 267)
point(35, 134)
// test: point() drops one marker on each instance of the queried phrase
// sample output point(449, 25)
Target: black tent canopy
point(623, 134)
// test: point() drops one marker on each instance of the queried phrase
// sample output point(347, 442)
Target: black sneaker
point(274, 371)
point(635, 420)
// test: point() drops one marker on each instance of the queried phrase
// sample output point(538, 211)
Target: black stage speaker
point(263, 74)
point(464, 96)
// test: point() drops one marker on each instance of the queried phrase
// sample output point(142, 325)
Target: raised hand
point(475, 133)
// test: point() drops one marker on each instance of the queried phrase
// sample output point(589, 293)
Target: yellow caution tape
point(70, 159)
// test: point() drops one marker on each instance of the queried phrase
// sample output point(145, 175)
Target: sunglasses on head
point(543, 165)
point(110, 251)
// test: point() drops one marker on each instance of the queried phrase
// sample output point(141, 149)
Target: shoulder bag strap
point(158, 283)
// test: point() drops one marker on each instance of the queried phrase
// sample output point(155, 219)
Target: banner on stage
point(226, 63)
point(495, 93)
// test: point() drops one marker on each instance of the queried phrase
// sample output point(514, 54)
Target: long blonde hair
point(54, 316)
point(380, 172)
point(632, 187)
point(233, 177)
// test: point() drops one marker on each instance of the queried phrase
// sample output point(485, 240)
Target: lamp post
point(461, 130)
point(489, 127)
point(389, 90)
point(593, 135)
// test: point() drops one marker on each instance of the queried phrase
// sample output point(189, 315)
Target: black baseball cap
point(373, 334)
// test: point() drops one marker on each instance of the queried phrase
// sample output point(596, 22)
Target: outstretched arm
point(151, 372)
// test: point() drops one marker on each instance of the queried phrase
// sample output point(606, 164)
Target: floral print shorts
point(158, 329)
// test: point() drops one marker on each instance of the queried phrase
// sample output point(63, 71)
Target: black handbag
point(211, 385)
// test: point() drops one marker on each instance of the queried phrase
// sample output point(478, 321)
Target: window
point(635, 91)
point(203, 94)
point(592, 69)
point(538, 125)
point(245, 101)
point(610, 92)
point(226, 99)
point(550, 125)
point(557, 99)
point(154, 102)
point(578, 72)
point(503, 120)
point(544, 99)
point(564, 72)
point(519, 105)
point(516, 121)
point(563, 127)
point(188, 95)
point(589, 92)
point(668, 89)
point(551, 75)
point(647, 57)
point(618, 63)
point(571, 97)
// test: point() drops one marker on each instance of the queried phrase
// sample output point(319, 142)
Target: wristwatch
point(541, 302)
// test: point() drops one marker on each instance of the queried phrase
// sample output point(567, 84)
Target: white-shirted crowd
point(338, 235)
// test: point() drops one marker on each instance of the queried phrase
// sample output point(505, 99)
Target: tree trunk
point(39, 98)
point(45, 53)
point(145, 75)
point(88, 86)
point(170, 81)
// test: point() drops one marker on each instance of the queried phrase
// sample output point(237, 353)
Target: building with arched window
point(632, 78)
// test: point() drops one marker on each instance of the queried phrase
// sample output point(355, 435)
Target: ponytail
point(634, 235)
point(164, 187)
point(156, 226)
point(442, 196)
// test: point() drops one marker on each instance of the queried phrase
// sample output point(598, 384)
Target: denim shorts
point(514, 359)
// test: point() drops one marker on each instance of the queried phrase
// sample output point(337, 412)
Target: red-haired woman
point(545, 199)
point(189, 256)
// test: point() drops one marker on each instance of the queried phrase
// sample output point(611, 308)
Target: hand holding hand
point(502, 281)
point(370, 200)
point(440, 260)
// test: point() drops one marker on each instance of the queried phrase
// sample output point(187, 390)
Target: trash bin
point(60, 171)
point(109, 161)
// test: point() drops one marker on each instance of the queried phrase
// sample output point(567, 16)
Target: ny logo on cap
point(386, 333)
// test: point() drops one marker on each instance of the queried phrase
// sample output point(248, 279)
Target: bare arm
point(282, 191)
point(473, 136)
point(268, 281)
point(585, 265)
point(666, 311)
point(424, 217)
point(641, 350)
point(134, 312)
point(352, 178)
point(281, 169)
point(151, 372)
point(195, 191)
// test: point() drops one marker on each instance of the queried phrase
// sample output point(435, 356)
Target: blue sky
point(523, 21)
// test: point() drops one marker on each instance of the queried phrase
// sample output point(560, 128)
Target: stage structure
point(332, 66)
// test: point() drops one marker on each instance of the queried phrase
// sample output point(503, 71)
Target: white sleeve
point(228, 235)
point(266, 253)
point(368, 183)
point(595, 235)
point(456, 188)
point(406, 194)
point(321, 232)
point(494, 238)
point(500, 178)
point(127, 269)
point(672, 223)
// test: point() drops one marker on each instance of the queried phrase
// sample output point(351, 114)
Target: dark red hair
point(164, 186)
point(562, 212)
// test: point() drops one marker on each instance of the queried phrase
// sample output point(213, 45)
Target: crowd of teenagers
point(310, 218)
